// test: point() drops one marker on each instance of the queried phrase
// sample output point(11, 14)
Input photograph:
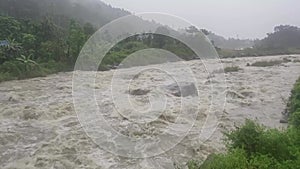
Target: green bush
point(232, 69)
point(256, 139)
point(234, 159)
point(247, 137)
point(261, 162)
point(14, 70)
point(255, 147)
point(268, 63)
point(277, 144)
point(4, 76)
point(294, 102)
point(18, 70)
point(295, 119)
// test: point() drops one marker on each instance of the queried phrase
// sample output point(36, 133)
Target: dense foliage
point(145, 41)
point(37, 48)
point(294, 103)
point(253, 146)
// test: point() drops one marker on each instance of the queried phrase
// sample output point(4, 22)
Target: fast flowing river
point(39, 127)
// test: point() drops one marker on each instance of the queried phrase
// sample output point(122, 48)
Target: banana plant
point(27, 61)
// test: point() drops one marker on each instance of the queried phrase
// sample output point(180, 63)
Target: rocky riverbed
point(39, 127)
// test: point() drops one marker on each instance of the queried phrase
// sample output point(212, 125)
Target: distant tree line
point(284, 40)
point(160, 39)
point(283, 37)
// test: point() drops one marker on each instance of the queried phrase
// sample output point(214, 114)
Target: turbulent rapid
point(39, 127)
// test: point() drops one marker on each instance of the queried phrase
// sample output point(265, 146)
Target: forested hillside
point(285, 39)
point(87, 11)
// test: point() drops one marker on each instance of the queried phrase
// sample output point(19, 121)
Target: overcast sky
point(229, 18)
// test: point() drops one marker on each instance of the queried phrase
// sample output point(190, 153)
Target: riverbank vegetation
point(269, 63)
point(33, 48)
point(38, 48)
point(253, 146)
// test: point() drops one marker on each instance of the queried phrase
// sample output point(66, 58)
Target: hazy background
point(230, 18)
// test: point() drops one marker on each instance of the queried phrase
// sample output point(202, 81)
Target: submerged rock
point(139, 92)
point(182, 89)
